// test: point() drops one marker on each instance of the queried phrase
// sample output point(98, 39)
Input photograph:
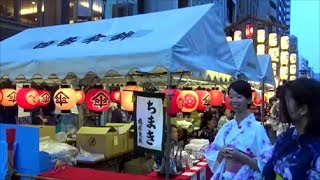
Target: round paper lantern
point(115, 96)
point(216, 98)
point(44, 97)
point(273, 39)
point(293, 58)
point(174, 108)
point(284, 42)
point(227, 103)
point(65, 98)
point(256, 98)
point(27, 98)
point(80, 96)
point(9, 97)
point(229, 38)
point(261, 35)
point(249, 30)
point(0, 96)
point(237, 35)
point(261, 49)
point(188, 101)
point(98, 99)
point(204, 99)
point(127, 95)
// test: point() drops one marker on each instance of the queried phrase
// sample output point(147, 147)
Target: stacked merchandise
point(196, 147)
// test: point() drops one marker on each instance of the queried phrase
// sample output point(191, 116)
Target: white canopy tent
point(190, 39)
point(246, 61)
point(266, 68)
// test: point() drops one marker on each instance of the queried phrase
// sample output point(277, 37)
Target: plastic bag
point(60, 152)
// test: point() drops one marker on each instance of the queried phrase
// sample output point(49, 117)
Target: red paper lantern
point(115, 96)
point(9, 97)
point(65, 98)
point(256, 98)
point(27, 98)
point(174, 108)
point(216, 98)
point(227, 103)
point(127, 95)
point(44, 97)
point(1, 96)
point(249, 30)
point(98, 99)
point(188, 100)
point(204, 99)
point(80, 96)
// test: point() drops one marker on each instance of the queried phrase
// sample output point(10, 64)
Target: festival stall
point(189, 39)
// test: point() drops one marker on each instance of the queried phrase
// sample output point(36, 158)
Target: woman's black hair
point(304, 91)
point(207, 116)
point(243, 88)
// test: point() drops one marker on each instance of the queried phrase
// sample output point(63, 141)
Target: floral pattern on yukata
point(250, 137)
point(294, 157)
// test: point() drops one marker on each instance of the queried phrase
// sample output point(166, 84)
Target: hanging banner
point(149, 122)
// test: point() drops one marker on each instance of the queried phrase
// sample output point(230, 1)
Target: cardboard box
point(45, 130)
point(100, 140)
point(125, 132)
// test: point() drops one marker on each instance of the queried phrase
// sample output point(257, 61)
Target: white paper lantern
point(293, 58)
point(285, 42)
point(293, 69)
point(274, 54)
point(274, 66)
point(261, 49)
point(284, 58)
point(229, 38)
point(237, 35)
point(261, 36)
point(283, 73)
point(292, 78)
point(273, 39)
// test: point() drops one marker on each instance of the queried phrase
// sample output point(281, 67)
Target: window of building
point(7, 8)
point(140, 6)
point(183, 3)
point(29, 12)
point(97, 9)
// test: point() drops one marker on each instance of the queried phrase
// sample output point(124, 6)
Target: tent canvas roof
point(246, 59)
point(190, 39)
point(266, 68)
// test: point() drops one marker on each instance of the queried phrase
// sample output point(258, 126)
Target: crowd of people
point(287, 146)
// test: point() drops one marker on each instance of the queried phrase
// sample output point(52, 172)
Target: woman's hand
point(223, 154)
point(233, 153)
point(239, 156)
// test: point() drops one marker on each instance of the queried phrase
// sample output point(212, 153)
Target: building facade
point(17, 15)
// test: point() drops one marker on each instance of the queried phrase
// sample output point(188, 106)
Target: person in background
point(183, 136)
point(297, 151)
point(225, 118)
point(278, 126)
point(241, 147)
point(208, 126)
point(271, 133)
point(118, 115)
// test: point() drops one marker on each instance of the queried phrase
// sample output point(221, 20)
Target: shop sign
point(149, 121)
point(70, 40)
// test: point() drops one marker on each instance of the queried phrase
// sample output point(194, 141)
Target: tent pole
point(262, 104)
point(168, 132)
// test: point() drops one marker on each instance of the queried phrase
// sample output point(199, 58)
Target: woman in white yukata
point(241, 147)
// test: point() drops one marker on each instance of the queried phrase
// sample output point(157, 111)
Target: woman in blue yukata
point(241, 147)
point(297, 151)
